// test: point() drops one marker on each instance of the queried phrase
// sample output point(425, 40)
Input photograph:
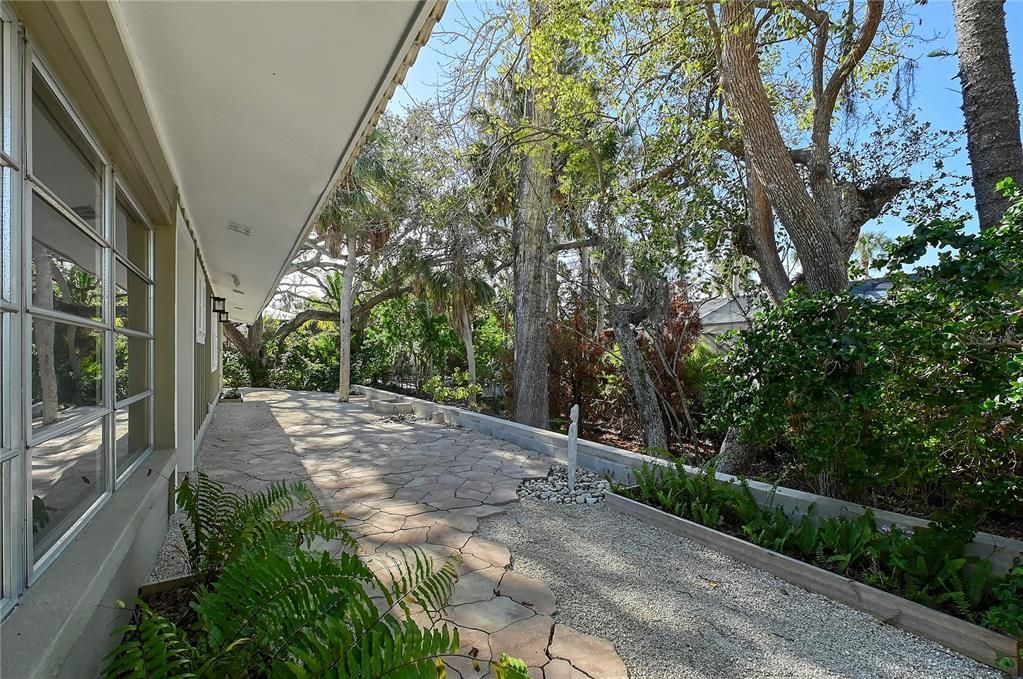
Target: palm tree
point(869, 245)
point(358, 216)
point(990, 103)
point(456, 288)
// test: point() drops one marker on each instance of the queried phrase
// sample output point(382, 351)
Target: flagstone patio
point(405, 484)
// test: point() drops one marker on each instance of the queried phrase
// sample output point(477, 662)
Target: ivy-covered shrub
point(916, 396)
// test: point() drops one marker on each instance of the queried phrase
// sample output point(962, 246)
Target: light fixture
point(224, 318)
point(218, 304)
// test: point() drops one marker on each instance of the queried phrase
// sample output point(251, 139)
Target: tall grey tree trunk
point(43, 331)
point(465, 331)
point(990, 105)
point(530, 236)
point(347, 296)
point(553, 287)
point(643, 388)
point(530, 244)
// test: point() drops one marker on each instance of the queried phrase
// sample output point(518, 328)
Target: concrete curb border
point(971, 640)
point(619, 464)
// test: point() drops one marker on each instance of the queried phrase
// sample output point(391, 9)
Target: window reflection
point(67, 371)
point(131, 238)
point(131, 355)
point(132, 295)
point(132, 433)
point(65, 262)
point(61, 158)
point(67, 477)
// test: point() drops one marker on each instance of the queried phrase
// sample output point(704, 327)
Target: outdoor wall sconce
point(224, 318)
point(218, 305)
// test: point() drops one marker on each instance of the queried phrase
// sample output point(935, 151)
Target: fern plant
point(268, 605)
point(220, 524)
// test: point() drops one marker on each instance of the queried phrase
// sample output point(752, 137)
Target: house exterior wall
point(88, 462)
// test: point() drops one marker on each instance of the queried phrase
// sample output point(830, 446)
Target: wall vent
point(239, 228)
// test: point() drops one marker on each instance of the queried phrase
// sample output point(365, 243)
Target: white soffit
point(258, 106)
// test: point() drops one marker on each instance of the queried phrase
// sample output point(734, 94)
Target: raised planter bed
point(619, 464)
point(971, 640)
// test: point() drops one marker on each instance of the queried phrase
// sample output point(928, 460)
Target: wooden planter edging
point(971, 640)
point(161, 586)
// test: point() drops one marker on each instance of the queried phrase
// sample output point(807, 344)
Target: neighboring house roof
point(726, 311)
point(720, 314)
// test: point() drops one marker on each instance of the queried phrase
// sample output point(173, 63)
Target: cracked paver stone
point(529, 592)
point(488, 550)
point(562, 669)
point(593, 656)
point(526, 640)
point(477, 586)
point(488, 616)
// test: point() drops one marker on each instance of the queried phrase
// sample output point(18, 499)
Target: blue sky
point(938, 98)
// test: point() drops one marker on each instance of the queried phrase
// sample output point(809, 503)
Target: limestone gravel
point(676, 610)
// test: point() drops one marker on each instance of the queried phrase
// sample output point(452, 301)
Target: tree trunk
point(553, 287)
point(757, 240)
point(529, 241)
point(643, 388)
point(734, 457)
point(990, 105)
point(768, 157)
point(347, 296)
point(470, 352)
point(44, 337)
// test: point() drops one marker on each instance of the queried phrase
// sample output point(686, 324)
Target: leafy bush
point(462, 390)
point(272, 608)
point(917, 396)
point(928, 565)
point(308, 362)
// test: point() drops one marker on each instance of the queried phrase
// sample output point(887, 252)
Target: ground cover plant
point(268, 601)
point(928, 565)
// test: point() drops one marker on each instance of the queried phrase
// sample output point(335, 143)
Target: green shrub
point(928, 565)
point(267, 605)
point(916, 396)
point(462, 390)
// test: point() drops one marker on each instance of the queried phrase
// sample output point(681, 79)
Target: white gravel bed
point(675, 609)
point(171, 562)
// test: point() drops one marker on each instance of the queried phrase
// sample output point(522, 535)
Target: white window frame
point(20, 568)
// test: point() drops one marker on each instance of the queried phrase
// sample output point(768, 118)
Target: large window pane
point(131, 237)
point(61, 158)
point(67, 477)
point(131, 354)
point(67, 371)
point(6, 228)
point(66, 265)
point(6, 534)
point(132, 299)
point(132, 433)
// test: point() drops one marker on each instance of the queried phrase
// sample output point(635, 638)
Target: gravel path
point(675, 609)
